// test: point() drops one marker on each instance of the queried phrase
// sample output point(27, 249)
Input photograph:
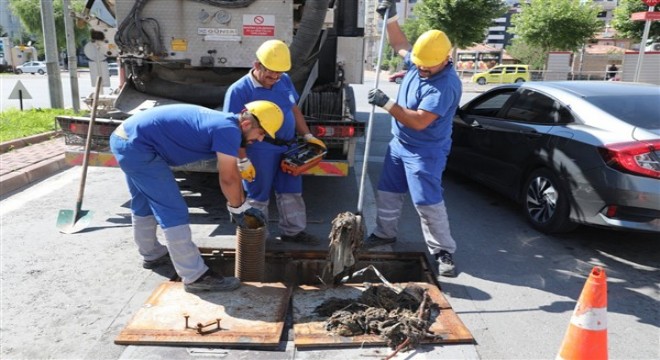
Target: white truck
point(12, 55)
point(190, 51)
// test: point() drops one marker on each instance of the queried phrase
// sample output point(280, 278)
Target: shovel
point(348, 229)
point(72, 221)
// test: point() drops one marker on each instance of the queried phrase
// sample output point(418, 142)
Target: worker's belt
point(279, 142)
point(120, 132)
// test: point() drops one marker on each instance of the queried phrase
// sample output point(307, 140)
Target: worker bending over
point(148, 143)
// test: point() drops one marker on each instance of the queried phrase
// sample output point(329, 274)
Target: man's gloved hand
point(314, 140)
point(246, 169)
point(246, 216)
point(382, 7)
point(378, 98)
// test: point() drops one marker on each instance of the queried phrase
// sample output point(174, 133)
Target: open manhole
point(255, 314)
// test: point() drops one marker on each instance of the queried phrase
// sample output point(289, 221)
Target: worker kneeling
point(148, 143)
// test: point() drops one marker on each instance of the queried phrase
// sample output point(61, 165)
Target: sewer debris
point(401, 319)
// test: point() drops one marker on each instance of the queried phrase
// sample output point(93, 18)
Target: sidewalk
point(28, 160)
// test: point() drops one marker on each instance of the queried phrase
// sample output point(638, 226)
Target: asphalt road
point(68, 296)
point(37, 87)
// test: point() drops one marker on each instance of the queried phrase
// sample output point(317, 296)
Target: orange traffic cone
point(586, 337)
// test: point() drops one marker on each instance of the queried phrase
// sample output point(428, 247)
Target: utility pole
point(71, 54)
point(52, 63)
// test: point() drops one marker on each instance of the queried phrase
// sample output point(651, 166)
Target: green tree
point(29, 12)
point(633, 29)
point(526, 54)
point(464, 21)
point(556, 25)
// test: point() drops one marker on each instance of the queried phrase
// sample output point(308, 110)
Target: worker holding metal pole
point(150, 142)
point(422, 114)
point(260, 163)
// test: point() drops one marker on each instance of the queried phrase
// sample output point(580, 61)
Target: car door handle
point(475, 125)
point(532, 134)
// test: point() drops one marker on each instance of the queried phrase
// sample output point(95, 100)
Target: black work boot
point(446, 265)
point(373, 241)
point(211, 281)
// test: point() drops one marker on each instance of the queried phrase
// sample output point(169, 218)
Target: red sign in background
point(651, 2)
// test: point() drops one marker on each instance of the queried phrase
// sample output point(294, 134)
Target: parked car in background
point(397, 77)
point(571, 152)
point(32, 67)
point(503, 74)
point(113, 69)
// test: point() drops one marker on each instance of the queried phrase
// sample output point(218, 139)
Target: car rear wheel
point(520, 80)
point(41, 72)
point(398, 80)
point(481, 81)
point(546, 202)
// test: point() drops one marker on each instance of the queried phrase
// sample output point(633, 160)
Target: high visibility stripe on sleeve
point(591, 319)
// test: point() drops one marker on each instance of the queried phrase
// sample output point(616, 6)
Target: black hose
point(305, 41)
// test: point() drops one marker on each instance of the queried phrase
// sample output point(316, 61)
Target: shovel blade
point(68, 222)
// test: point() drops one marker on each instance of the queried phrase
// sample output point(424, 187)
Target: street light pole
point(642, 45)
point(52, 63)
point(71, 54)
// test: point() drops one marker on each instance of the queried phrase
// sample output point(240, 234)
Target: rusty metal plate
point(253, 315)
point(309, 330)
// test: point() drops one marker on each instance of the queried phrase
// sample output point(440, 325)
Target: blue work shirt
point(282, 93)
point(439, 94)
point(183, 133)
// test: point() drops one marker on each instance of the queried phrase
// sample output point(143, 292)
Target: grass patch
point(16, 124)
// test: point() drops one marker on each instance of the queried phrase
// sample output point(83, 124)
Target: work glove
point(382, 7)
point(378, 98)
point(247, 217)
point(311, 139)
point(246, 169)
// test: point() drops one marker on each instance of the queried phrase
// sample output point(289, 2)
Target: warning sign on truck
point(258, 25)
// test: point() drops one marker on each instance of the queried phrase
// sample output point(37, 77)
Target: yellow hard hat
point(431, 49)
point(274, 55)
point(268, 114)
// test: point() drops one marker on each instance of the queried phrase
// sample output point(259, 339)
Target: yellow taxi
point(502, 74)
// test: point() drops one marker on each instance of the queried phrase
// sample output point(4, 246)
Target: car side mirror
point(461, 115)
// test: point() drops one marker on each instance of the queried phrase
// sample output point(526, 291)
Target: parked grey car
point(571, 152)
point(32, 67)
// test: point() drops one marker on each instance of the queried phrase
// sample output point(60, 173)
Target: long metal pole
point(367, 145)
point(71, 54)
point(52, 63)
point(642, 46)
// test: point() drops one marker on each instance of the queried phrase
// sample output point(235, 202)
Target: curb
point(26, 141)
point(35, 172)
point(31, 174)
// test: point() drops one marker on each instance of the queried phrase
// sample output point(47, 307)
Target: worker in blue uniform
point(422, 114)
point(149, 142)
point(259, 163)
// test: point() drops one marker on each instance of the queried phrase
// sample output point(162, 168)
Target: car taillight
point(332, 131)
point(639, 158)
